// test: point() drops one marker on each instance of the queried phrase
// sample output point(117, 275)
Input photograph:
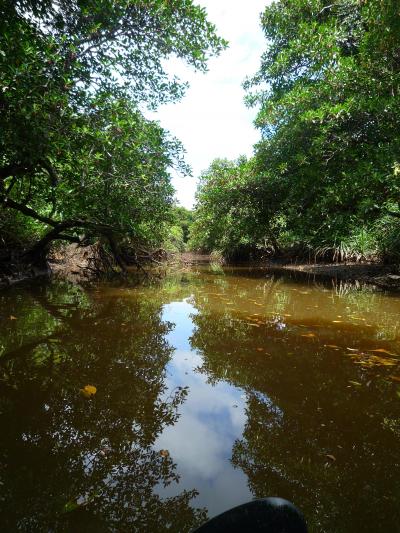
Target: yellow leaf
point(382, 350)
point(337, 321)
point(355, 383)
point(164, 453)
point(331, 346)
point(308, 335)
point(331, 457)
point(88, 391)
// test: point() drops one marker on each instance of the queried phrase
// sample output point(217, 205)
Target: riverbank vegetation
point(324, 181)
point(79, 162)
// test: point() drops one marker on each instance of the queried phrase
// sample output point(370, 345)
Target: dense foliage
point(77, 156)
point(231, 214)
point(325, 175)
point(178, 229)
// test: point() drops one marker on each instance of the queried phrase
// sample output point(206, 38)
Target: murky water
point(212, 387)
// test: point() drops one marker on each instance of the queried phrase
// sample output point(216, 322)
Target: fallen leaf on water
point(308, 335)
point(337, 321)
point(352, 349)
point(88, 391)
point(355, 383)
point(70, 506)
point(12, 317)
point(164, 453)
point(331, 457)
point(374, 360)
point(331, 346)
point(382, 350)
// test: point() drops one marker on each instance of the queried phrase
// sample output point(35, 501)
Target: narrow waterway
point(207, 388)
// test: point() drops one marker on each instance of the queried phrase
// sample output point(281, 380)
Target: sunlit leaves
point(74, 144)
point(328, 96)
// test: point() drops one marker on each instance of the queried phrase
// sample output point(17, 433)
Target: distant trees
point(327, 165)
point(76, 154)
point(231, 215)
point(178, 229)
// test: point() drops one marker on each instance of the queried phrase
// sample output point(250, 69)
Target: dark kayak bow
point(267, 515)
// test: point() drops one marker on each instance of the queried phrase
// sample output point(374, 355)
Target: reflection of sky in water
point(211, 419)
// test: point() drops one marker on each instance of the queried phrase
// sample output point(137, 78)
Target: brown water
point(213, 387)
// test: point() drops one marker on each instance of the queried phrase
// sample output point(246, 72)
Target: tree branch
point(15, 169)
point(50, 170)
point(24, 209)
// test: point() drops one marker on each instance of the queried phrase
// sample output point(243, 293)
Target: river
point(152, 406)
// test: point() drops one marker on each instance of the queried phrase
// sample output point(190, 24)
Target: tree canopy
point(76, 153)
point(327, 165)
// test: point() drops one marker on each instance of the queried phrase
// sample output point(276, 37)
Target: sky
point(212, 120)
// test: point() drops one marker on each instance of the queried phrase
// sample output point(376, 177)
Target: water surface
point(212, 387)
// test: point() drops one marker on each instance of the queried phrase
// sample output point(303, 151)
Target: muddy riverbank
point(77, 263)
point(384, 276)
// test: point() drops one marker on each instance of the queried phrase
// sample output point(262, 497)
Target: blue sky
point(212, 120)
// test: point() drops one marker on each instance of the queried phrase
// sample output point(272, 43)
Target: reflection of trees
point(301, 409)
point(73, 464)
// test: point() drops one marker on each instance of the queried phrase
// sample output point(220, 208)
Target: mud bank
point(384, 276)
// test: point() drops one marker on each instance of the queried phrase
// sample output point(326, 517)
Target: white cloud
point(212, 120)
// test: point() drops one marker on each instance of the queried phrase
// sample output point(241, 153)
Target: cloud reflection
point(211, 419)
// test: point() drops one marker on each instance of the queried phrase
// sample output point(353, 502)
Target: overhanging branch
point(15, 169)
point(25, 210)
